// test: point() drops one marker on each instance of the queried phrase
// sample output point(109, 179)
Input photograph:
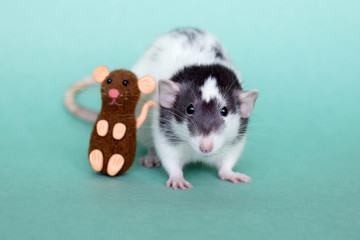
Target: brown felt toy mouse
point(113, 139)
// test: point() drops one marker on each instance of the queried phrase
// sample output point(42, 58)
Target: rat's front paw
point(234, 177)
point(176, 182)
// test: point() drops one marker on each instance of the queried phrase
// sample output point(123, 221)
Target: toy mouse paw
point(176, 182)
point(234, 177)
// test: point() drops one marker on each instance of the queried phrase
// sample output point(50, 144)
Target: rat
point(113, 139)
point(203, 109)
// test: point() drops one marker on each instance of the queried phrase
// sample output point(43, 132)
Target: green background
point(303, 142)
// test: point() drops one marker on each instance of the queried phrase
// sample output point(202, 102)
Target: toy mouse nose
point(113, 93)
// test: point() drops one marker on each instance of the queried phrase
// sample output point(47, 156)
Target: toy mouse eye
point(109, 80)
point(190, 109)
point(125, 82)
point(224, 112)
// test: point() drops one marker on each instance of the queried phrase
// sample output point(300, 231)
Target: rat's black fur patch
point(165, 126)
point(218, 52)
point(190, 33)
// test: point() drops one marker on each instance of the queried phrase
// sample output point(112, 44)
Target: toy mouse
point(113, 139)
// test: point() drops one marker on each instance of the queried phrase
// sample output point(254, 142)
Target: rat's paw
point(180, 182)
point(234, 177)
point(150, 161)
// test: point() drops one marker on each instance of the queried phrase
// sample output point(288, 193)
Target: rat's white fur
point(210, 90)
point(173, 52)
point(168, 54)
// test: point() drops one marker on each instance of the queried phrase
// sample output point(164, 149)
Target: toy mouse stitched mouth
point(114, 102)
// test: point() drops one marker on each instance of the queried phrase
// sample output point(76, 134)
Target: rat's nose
point(206, 146)
point(113, 93)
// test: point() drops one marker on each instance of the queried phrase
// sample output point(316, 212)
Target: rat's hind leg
point(114, 165)
point(96, 159)
point(151, 159)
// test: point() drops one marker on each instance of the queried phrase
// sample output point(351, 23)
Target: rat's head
point(121, 87)
point(207, 112)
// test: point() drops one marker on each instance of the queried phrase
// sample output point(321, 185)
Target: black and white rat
point(203, 111)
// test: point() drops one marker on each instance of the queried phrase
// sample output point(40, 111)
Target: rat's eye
point(190, 109)
point(224, 112)
point(125, 82)
point(109, 80)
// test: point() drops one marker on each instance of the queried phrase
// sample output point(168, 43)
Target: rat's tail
point(71, 104)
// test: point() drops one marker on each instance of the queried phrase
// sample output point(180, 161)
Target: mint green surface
point(303, 143)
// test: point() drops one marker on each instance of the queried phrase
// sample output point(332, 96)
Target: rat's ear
point(146, 84)
point(168, 91)
point(100, 73)
point(247, 102)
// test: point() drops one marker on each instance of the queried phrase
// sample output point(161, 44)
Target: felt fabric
point(113, 114)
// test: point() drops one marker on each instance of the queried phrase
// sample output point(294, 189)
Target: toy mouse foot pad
point(102, 128)
point(115, 164)
point(96, 160)
point(119, 131)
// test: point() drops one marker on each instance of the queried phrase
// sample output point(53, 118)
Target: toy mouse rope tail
point(144, 111)
point(71, 104)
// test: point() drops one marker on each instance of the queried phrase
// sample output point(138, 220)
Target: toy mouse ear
point(146, 84)
point(100, 73)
